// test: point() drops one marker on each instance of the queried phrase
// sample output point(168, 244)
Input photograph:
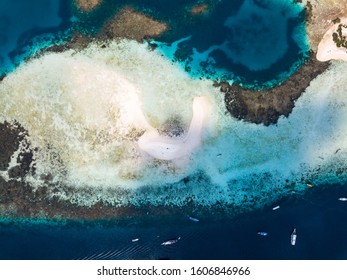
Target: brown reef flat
point(19, 200)
point(87, 5)
point(266, 106)
point(78, 42)
point(128, 24)
point(131, 24)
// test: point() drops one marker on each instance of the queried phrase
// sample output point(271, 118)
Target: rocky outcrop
point(266, 106)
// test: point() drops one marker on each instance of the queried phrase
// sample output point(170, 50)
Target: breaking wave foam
point(85, 112)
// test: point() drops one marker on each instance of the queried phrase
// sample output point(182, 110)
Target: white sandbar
point(168, 148)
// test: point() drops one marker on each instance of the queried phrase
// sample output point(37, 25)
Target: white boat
point(343, 199)
point(293, 237)
point(171, 241)
point(193, 219)
point(276, 207)
point(135, 240)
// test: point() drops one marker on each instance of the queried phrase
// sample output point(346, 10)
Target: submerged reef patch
point(87, 5)
point(10, 138)
point(131, 24)
point(199, 9)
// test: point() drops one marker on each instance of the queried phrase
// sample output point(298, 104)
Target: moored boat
point(171, 241)
point(293, 237)
point(193, 219)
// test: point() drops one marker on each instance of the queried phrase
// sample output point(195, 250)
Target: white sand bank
point(167, 148)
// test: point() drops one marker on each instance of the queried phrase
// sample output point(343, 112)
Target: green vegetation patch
point(338, 38)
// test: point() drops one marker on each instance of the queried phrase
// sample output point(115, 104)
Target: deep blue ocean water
point(28, 26)
point(318, 215)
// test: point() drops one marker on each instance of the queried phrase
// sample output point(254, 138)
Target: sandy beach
point(327, 49)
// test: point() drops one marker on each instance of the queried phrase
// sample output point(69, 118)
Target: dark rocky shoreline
point(266, 106)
